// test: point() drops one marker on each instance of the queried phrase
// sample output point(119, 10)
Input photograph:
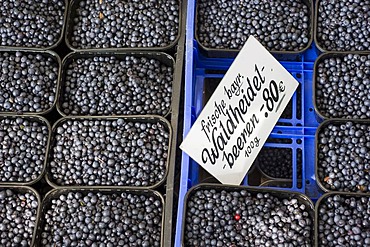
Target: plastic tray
point(53, 194)
point(162, 57)
point(299, 143)
point(318, 204)
point(316, 39)
point(25, 189)
point(145, 119)
point(322, 125)
point(278, 193)
point(43, 121)
point(47, 47)
point(213, 52)
point(324, 56)
point(69, 29)
point(51, 54)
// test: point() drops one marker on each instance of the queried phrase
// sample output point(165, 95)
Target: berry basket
point(23, 204)
point(347, 213)
point(342, 26)
point(247, 20)
point(137, 156)
point(95, 17)
point(38, 17)
point(39, 71)
point(141, 215)
point(340, 83)
point(25, 141)
point(132, 78)
point(342, 156)
point(227, 211)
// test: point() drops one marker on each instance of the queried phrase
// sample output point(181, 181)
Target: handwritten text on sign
point(233, 126)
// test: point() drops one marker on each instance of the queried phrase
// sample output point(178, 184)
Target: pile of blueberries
point(278, 25)
point(109, 152)
point(343, 156)
point(101, 219)
point(28, 81)
point(23, 148)
point(18, 214)
point(242, 218)
point(342, 86)
point(125, 24)
point(117, 86)
point(343, 25)
point(278, 162)
point(30, 23)
point(344, 220)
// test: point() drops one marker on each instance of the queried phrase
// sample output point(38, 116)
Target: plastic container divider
point(198, 67)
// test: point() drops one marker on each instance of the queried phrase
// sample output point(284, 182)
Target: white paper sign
point(235, 123)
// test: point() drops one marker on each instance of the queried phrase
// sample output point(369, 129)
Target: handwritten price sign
point(233, 126)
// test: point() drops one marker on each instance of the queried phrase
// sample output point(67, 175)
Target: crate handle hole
point(279, 132)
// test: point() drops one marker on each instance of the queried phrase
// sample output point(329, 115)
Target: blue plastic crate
point(201, 75)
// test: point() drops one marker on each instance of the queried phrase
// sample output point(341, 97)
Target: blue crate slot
point(302, 113)
point(302, 127)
